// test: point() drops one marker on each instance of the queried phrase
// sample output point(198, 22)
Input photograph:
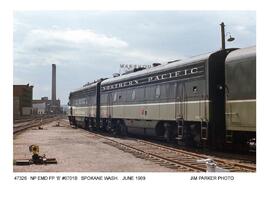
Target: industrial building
point(39, 107)
point(24, 105)
point(45, 106)
point(22, 100)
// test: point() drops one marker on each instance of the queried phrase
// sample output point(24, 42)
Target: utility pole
point(222, 26)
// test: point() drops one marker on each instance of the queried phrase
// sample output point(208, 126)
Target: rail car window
point(92, 100)
point(119, 98)
point(80, 102)
point(164, 92)
point(195, 89)
point(124, 96)
point(115, 97)
point(133, 95)
point(150, 93)
point(167, 91)
point(103, 99)
point(157, 92)
point(139, 95)
point(129, 97)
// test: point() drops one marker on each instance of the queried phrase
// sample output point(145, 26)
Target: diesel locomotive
point(205, 101)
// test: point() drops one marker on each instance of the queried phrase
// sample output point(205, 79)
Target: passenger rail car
point(240, 75)
point(182, 100)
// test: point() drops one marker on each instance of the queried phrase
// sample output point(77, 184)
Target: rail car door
point(180, 101)
point(180, 110)
point(110, 105)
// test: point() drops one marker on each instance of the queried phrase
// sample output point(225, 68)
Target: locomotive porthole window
point(195, 89)
point(157, 91)
point(133, 95)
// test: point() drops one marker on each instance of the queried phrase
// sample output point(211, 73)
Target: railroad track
point(176, 159)
point(19, 127)
point(225, 164)
point(158, 156)
point(31, 118)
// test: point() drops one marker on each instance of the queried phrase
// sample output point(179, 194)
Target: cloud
point(88, 45)
point(152, 57)
point(78, 36)
point(41, 47)
point(242, 30)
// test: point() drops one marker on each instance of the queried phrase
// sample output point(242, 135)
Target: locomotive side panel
point(192, 102)
point(82, 105)
point(118, 104)
point(156, 100)
point(241, 115)
point(160, 99)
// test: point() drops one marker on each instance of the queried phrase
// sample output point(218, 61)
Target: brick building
point(22, 100)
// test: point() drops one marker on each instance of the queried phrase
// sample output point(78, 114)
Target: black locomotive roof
point(158, 69)
point(241, 54)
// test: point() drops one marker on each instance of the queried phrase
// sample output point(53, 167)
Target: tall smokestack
point(53, 83)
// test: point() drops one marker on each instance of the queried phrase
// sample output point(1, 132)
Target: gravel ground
point(76, 151)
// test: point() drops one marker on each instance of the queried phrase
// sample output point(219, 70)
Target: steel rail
point(33, 123)
point(219, 161)
point(186, 159)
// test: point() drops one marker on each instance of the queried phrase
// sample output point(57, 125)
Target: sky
point(88, 45)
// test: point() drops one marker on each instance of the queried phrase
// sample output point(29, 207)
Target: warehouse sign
point(182, 73)
point(133, 66)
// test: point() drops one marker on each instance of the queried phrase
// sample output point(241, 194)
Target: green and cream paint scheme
point(240, 73)
point(217, 88)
